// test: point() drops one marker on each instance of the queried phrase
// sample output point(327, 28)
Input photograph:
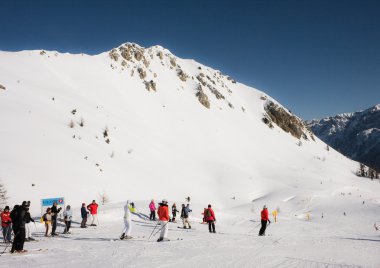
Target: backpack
point(208, 213)
point(44, 217)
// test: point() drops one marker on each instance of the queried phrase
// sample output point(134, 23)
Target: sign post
point(48, 202)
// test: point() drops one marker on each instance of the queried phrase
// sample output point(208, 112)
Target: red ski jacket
point(5, 219)
point(264, 215)
point(93, 208)
point(209, 214)
point(163, 213)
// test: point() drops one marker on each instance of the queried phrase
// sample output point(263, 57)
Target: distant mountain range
point(356, 135)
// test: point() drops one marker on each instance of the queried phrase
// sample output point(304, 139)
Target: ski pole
point(160, 229)
point(153, 230)
point(254, 228)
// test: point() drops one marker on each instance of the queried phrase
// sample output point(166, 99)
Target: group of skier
point(164, 218)
point(19, 222)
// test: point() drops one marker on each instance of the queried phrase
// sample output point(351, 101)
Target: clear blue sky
point(318, 58)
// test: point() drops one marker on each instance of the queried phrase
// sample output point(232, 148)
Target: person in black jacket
point(28, 229)
point(174, 212)
point(18, 216)
point(54, 213)
point(84, 214)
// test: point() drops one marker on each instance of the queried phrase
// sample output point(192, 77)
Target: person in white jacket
point(127, 222)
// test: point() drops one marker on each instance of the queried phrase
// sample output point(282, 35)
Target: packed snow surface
point(135, 124)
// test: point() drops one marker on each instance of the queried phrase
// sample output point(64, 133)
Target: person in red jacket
point(93, 208)
point(210, 218)
point(163, 217)
point(6, 224)
point(264, 220)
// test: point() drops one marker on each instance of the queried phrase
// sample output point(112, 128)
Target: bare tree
point(3, 195)
point(103, 197)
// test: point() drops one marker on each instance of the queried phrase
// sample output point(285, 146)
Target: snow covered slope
point(141, 123)
point(356, 135)
point(154, 125)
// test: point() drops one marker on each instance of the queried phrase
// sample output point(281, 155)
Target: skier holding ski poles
point(163, 216)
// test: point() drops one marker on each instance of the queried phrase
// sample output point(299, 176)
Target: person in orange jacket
point(264, 220)
point(163, 217)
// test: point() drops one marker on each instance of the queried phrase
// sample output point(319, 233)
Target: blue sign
point(49, 201)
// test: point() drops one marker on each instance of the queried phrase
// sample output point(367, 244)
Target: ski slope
point(139, 143)
point(290, 242)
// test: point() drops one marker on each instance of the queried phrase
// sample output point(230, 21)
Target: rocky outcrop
point(114, 55)
point(182, 75)
point(151, 85)
point(142, 73)
point(202, 97)
point(286, 121)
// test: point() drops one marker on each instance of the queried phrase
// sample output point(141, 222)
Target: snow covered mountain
point(140, 123)
point(356, 135)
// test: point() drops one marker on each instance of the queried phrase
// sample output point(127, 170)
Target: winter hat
point(68, 207)
point(6, 207)
point(265, 206)
point(209, 205)
point(164, 201)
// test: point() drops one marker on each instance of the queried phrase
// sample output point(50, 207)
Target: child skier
point(47, 219)
point(127, 222)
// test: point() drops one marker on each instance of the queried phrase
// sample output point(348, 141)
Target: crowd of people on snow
point(19, 221)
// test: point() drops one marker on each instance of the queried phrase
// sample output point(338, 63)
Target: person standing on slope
point(185, 215)
point(163, 216)
point(93, 208)
point(28, 226)
point(210, 218)
point(67, 217)
point(264, 220)
point(54, 214)
point(127, 222)
point(18, 216)
point(84, 214)
point(152, 208)
point(6, 224)
point(174, 212)
point(47, 219)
